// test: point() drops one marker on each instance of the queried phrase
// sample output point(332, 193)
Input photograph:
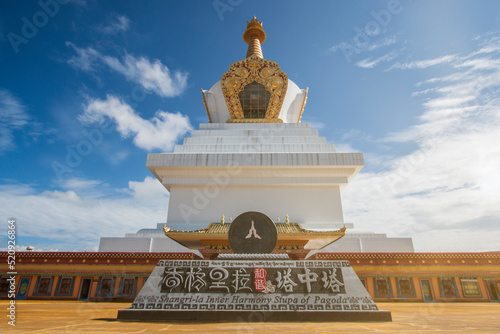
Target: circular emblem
point(252, 232)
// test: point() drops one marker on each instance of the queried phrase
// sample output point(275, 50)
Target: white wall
point(312, 206)
point(124, 244)
point(375, 245)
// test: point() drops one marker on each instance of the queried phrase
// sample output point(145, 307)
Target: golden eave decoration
point(262, 71)
point(287, 233)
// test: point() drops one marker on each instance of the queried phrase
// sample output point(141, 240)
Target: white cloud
point(444, 103)
point(480, 63)
point(368, 63)
point(63, 196)
point(386, 41)
point(161, 132)
point(150, 74)
point(355, 134)
point(116, 24)
point(85, 59)
point(13, 116)
point(423, 63)
point(71, 220)
point(87, 188)
point(344, 148)
point(358, 49)
point(79, 183)
point(489, 45)
point(447, 78)
point(117, 157)
point(445, 193)
point(148, 190)
point(314, 124)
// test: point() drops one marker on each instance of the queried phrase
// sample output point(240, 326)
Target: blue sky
point(88, 88)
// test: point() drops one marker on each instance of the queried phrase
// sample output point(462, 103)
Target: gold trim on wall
point(303, 105)
point(206, 107)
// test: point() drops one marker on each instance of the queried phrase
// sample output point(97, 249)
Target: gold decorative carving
point(303, 105)
point(264, 72)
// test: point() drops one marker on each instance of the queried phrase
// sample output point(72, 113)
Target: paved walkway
point(80, 317)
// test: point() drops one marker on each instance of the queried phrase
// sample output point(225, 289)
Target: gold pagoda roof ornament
point(288, 233)
point(254, 88)
point(254, 36)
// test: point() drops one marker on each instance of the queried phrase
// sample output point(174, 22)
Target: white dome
point(291, 109)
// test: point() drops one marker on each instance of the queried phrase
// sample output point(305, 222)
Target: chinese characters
point(222, 279)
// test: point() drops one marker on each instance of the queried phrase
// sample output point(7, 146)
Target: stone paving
point(83, 317)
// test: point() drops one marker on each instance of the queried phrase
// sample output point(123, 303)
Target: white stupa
point(255, 155)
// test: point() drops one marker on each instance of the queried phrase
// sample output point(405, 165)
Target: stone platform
point(254, 290)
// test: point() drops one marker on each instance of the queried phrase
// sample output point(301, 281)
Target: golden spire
point(254, 36)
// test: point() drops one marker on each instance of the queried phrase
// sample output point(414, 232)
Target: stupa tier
point(274, 168)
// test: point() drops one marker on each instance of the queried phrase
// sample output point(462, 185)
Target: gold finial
point(278, 219)
point(231, 219)
point(287, 219)
point(223, 219)
point(165, 228)
point(254, 36)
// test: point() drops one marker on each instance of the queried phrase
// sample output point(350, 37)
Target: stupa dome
point(291, 110)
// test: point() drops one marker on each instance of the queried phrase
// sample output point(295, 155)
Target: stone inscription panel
point(218, 279)
point(272, 285)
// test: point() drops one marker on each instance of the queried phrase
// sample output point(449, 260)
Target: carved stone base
point(251, 316)
point(253, 291)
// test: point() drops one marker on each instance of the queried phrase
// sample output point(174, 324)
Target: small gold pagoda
point(292, 239)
